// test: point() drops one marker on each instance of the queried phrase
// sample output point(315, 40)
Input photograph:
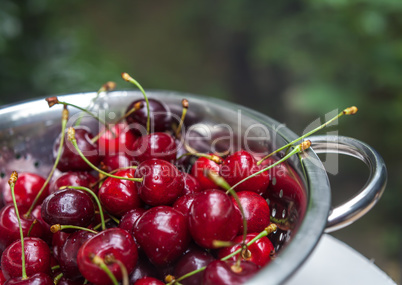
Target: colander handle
point(345, 214)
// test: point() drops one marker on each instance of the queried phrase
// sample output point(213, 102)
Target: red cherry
point(213, 217)
point(163, 234)
point(37, 258)
point(198, 169)
point(26, 188)
point(120, 160)
point(155, 145)
point(70, 160)
point(119, 139)
point(183, 204)
point(116, 243)
point(128, 220)
point(259, 252)
point(57, 243)
point(240, 165)
point(79, 178)
point(191, 185)
point(143, 269)
point(36, 279)
point(118, 196)
point(256, 211)
point(37, 214)
point(162, 182)
point(2, 278)
point(221, 272)
point(149, 281)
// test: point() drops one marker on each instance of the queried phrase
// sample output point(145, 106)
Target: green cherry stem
point(128, 78)
point(71, 138)
point(109, 259)
point(299, 148)
point(99, 262)
point(90, 192)
point(212, 157)
point(56, 279)
point(348, 111)
point(184, 103)
point(13, 179)
point(57, 227)
point(64, 119)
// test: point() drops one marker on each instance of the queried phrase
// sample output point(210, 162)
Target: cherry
point(143, 269)
point(148, 281)
point(160, 117)
point(120, 160)
point(65, 281)
point(162, 182)
point(26, 188)
point(9, 229)
point(198, 169)
point(128, 220)
point(220, 272)
point(37, 214)
point(195, 259)
point(68, 207)
point(119, 196)
point(118, 139)
point(58, 241)
point(213, 217)
point(116, 244)
point(37, 260)
point(183, 203)
point(155, 145)
point(70, 160)
point(163, 234)
point(69, 251)
point(240, 165)
point(79, 178)
point(36, 279)
point(256, 211)
point(259, 252)
point(191, 184)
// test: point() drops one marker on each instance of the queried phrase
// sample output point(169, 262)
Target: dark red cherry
point(65, 281)
point(68, 207)
point(198, 171)
point(26, 188)
point(163, 234)
point(162, 182)
point(155, 145)
point(240, 165)
point(112, 243)
point(37, 214)
point(148, 281)
point(256, 211)
point(183, 203)
point(195, 259)
point(37, 258)
point(36, 279)
point(221, 272)
point(79, 178)
point(119, 139)
point(9, 229)
point(259, 252)
point(213, 217)
point(2, 278)
point(70, 159)
point(191, 184)
point(128, 220)
point(120, 160)
point(58, 240)
point(69, 251)
point(160, 117)
point(118, 196)
point(143, 269)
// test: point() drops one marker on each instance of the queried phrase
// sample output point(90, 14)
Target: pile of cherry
point(148, 214)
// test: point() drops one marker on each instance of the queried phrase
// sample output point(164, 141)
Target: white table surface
point(334, 262)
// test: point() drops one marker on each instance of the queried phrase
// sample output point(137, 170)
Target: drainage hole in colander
point(36, 164)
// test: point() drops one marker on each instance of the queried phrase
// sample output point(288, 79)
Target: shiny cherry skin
point(37, 214)
point(220, 272)
point(58, 241)
point(69, 251)
point(116, 243)
point(191, 184)
point(68, 207)
point(259, 252)
point(148, 281)
point(183, 203)
point(118, 139)
point(256, 211)
point(73, 178)
point(155, 145)
point(118, 196)
point(26, 188)
point(144, 268)
point(198, 169)
point(37, 258)
point(240, 165)
point(162, 182)
point(36, 279)
point(213, 217)
point(160, 117)
point(9, 229)
point(128, 220)
point(120, 160)
point(195, 259)
point(162, 233)
point(70, 159)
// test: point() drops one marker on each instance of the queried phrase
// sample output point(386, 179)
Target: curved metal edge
point(345, 214)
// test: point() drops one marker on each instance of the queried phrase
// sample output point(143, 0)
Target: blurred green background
point(292, 60)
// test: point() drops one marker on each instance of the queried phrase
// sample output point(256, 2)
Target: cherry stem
point(71, 138)
point(90, 192)
point(184, 103)
point(111, 259)
point(55, 267)
point(95, 228)
point(13, 179)
point(34, 222)
point(212, 157)
point(348, 111)
point(57, 227)
point(299, 148)
point(56, 279)
point(128, 78)
point(113, 171)
point(99, 262)
point(64, 119)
